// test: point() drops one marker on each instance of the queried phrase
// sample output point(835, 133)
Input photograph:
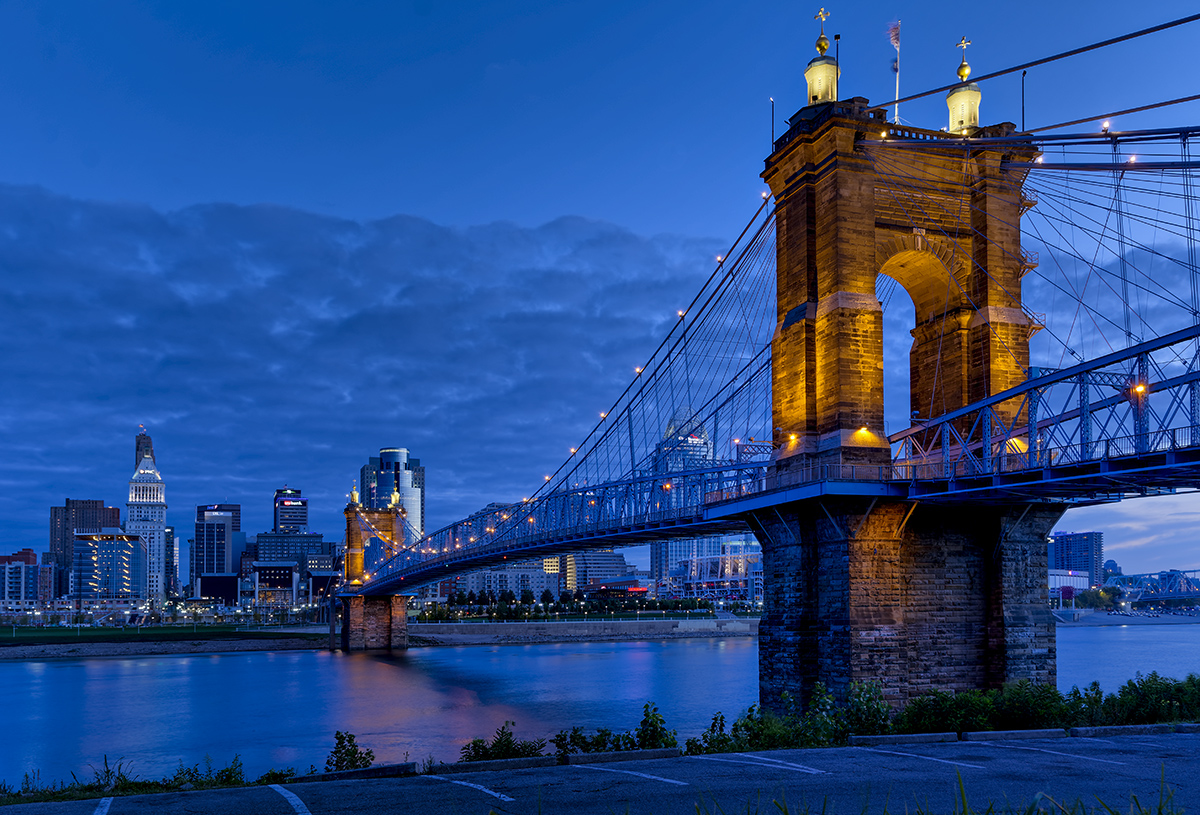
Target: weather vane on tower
point(822, 41)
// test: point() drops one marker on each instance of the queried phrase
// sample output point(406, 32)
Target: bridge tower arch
point(865, 587)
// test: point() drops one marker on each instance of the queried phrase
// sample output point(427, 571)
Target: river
point(278, 709)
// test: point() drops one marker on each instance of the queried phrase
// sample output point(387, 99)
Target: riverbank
point(1104, 618)
point(505, 633)
point(134, 648)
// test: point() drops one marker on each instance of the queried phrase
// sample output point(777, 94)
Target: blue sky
point(284, 234)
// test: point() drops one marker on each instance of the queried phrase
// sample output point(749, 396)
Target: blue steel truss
point(1169, 585)
point(1124, 424)
point(1129, 429)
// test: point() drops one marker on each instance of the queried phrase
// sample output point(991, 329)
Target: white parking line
point(1051, 752)
point(776, 764)
point(296, 803)
point(917, 755)
point(631, 772)
point(102, 807)
point(492, 793)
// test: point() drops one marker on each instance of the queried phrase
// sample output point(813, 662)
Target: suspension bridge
point(917, 556)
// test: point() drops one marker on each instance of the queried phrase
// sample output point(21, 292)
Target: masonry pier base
point(913, 596)
point(374, 623)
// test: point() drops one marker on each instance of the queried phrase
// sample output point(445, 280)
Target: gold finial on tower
point(964, 70)
point(354, 493)
point(822, 41)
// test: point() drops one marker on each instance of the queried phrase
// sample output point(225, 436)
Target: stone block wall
point(914, 598)
point(374, 623)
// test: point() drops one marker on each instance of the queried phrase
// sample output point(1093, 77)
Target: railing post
point(1085, 417)
point(1141, 415)
point(986, 436)
point(1033, 451)
point(946, 450)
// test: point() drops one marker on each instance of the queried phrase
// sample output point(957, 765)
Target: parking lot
point(848, 780)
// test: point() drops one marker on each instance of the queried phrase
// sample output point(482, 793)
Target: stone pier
point(374, 623)
point(913, 597)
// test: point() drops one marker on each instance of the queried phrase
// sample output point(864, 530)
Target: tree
point(579, 597)
point(508, 596)
point(527, 597)
point(547, 597)
point(565, 598)
point(471, 599)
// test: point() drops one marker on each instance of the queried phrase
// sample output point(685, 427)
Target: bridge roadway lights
point(374, 623)
point(914, 597)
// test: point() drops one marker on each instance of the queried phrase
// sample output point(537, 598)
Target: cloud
point(262, 345)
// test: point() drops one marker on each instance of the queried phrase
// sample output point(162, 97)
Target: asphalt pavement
point(839, 781)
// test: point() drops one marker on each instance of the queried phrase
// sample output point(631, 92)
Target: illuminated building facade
point(87, 515)
point(216, 542)
point(146, 515)
point(1078, 552)
point(394, 477)
point(291, 511)
point(108, 566)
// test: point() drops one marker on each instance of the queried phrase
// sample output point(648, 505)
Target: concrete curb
point(493, 766)
point(1120, 730)
point(910, 738)
point(1014, 735)
point(624, 755)
point(1187, 727)
point(378, 771)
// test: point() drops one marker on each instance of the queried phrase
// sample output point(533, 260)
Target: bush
point(503, 745)
point(651, 733)
point(347, 755)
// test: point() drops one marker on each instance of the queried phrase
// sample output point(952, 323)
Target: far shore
point(81, 650)
point(1104, 618)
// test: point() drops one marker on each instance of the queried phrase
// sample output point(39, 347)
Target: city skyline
point(480, 312)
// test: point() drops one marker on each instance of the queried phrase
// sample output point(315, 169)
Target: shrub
point(347, 755)
point(503, 745)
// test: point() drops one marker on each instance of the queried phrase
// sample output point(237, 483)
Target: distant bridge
point(1169, 585)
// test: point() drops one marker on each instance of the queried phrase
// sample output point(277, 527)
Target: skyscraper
point(108, 565)
point(171, 562)
point(213, 546)
point(84, 515)
point(1079, 551)
point(146, 516)
point(393, 473)
point(291, 511)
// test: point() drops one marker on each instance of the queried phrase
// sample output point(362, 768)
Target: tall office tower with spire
point(146, 516)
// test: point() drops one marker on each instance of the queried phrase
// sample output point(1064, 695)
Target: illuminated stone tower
point(146, 516)
point(371, 622)
point(860, 586)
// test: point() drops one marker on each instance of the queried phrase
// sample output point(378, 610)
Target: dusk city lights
point(635, 407)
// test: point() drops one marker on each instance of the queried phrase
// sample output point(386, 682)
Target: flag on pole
point(894, 34)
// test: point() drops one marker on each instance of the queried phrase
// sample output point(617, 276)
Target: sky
point(282, 235)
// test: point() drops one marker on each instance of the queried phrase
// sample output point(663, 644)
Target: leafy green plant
point(866, 713)
point(347, 755)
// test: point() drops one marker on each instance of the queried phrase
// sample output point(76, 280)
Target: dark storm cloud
point(263, 345)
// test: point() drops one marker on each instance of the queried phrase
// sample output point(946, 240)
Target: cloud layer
point(263, 345)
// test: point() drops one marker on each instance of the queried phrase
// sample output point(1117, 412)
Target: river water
point(278, 709)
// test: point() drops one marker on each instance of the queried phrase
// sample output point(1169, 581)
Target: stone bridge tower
point(872, 588)
point(370, 622)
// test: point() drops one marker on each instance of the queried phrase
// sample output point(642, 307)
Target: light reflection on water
point(280, 709)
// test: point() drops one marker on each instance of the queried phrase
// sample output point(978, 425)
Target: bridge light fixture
point(764, 195)
point(1139, 388)
point(737, 441)
point(1104, 127)
point(862, 429)
point(1132, 159)
point(680, 313)
point(792, 437)
point(720, 259)
point(603, 415)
